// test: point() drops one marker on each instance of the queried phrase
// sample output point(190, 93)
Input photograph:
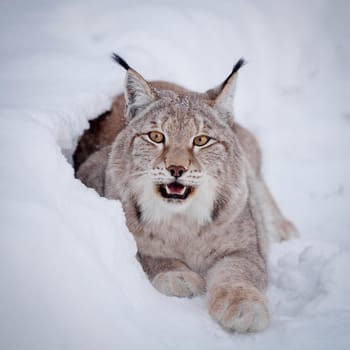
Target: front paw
point(286, 230)
point(179, 283)
point(241, 308)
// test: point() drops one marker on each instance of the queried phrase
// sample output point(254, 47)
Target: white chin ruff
point(197, 207)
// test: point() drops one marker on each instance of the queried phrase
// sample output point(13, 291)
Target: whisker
point(138, 173)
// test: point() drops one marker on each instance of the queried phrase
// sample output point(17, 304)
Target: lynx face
point(178, 154)
point(182, 157)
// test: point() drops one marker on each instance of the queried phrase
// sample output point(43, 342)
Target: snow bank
point(69, 279)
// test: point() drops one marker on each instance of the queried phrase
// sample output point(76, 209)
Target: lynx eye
point(201, 140)
point(156, 136)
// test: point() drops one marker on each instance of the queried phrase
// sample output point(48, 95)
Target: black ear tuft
point(241, 62)
point(120, 61)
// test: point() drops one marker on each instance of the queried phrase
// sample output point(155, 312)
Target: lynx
point(189, 180)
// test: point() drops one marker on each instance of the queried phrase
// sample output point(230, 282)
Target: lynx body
point(188, 177)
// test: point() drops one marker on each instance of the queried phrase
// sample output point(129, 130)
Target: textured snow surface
point(68, 276)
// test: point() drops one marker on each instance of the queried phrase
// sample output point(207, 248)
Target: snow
point(69, 278)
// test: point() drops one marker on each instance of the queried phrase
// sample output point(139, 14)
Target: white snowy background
point(68, 276)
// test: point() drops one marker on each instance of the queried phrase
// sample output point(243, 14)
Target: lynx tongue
point(175, 188)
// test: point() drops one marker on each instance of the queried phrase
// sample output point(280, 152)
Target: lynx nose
point(176, 170)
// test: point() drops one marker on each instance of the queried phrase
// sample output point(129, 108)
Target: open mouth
point(175, 190)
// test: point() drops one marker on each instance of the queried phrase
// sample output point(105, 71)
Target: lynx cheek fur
point(189, 180)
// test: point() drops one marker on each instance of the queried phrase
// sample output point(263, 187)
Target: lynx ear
point(222, 95)
point(138, 93)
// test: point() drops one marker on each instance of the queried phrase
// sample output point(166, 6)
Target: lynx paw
point(286, 230)
point(179, 283)
point(243, 309)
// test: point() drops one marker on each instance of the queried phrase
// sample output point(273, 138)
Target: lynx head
point(178, 155)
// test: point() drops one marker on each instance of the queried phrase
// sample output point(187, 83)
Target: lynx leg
point(172, 277)
point(280, 228)
point(236, 300)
